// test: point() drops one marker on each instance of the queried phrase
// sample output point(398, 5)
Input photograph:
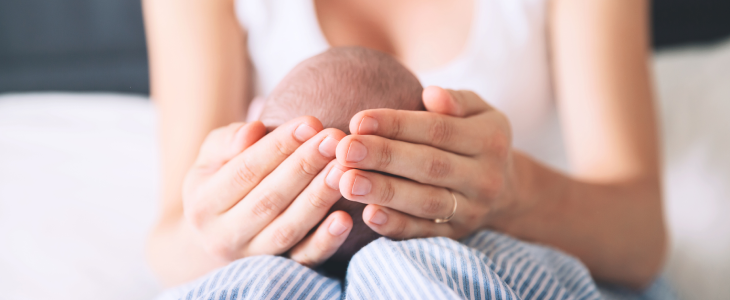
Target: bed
point(79, 178)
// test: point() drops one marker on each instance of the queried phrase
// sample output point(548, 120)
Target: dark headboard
point(679, 22)
point(99, 45)
point(72, 45)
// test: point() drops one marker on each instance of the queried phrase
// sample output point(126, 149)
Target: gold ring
point(453, 212)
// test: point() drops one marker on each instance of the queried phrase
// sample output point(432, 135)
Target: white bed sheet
point(79, 177)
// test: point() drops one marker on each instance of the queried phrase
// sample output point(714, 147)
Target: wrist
point(175, 253)
point(518, 199)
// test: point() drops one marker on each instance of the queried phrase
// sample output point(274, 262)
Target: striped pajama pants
point(486, 265)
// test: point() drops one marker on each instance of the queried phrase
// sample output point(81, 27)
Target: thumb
point(459, 103)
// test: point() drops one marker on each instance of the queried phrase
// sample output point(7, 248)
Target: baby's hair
point(334, 86)
point(340, 82)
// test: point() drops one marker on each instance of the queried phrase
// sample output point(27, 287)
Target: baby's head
point(334, 86)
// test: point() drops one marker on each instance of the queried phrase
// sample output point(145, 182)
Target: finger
point(448, 133)
point(420, 200)
point(323, 243)
point(460, 103)
point(421, 163)
point(282, 186)
point(303, 214)
point(239, 176)
point(224, 143)
point(397, 225)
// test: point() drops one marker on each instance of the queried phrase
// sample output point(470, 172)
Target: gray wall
point(98, 45)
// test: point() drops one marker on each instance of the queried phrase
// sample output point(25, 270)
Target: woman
point(210, 58)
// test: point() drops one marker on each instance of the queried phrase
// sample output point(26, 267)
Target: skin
point(607, 211)
point(215, 73)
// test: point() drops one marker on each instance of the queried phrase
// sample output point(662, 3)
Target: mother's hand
point(460, 145)
point(249, 193)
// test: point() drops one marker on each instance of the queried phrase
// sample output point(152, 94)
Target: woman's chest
point(424, 35)
point(500, 52)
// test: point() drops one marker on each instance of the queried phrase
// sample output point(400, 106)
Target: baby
point(332, 87)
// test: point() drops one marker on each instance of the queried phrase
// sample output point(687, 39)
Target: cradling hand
point(251, 193)
point(453, 162)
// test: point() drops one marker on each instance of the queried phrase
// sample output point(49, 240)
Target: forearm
point(615, 228)
point(608, 212)
point(198, 72)
point(199, 81)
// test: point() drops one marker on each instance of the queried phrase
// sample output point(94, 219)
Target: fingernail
point(368, 125)
point(379, 218)
point(333, 178)
point(328, 147)
point(361, 186)
point(337, 229)
point(356, 152)
point(304, 132)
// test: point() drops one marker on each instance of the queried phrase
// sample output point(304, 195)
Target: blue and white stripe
point(487, 265)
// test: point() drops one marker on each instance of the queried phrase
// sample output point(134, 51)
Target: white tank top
point(505, 61)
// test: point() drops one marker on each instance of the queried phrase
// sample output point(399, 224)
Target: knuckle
point(305, 259)
point(318, 201)
point(284, 237)
point(428, 231)
point(268, 205)
point(244, 176)
point(438, 167)
point(399, 230)
point(432, 205)
point(491, 186)
point(440, 132)
point(499, 145)
point(321, 247)
point(387, 193)
point(281, 149)
point(307, 168)
point(315, 252)
point(396, 127)
point(386, 155)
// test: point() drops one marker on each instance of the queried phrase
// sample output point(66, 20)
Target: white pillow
point(694, 92)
